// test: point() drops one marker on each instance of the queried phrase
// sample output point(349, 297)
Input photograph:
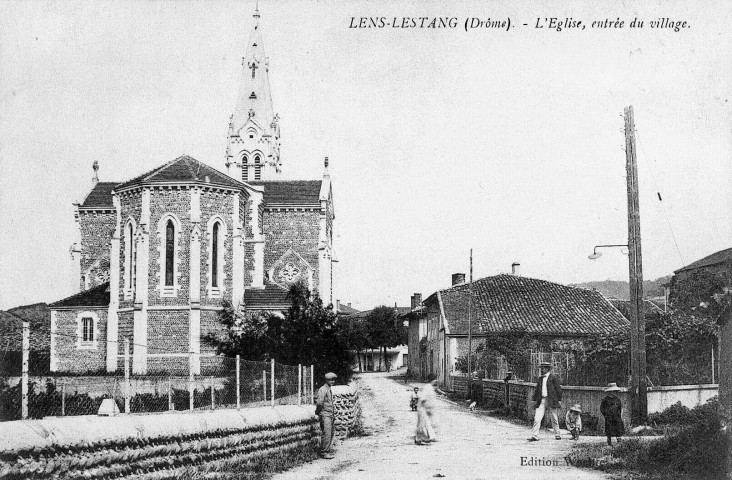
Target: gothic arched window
point(245, 168)
point(130, 261)
point(215, 255)
point(169, 253)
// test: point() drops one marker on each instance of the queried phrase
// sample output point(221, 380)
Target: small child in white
point(574, 421)
point(413, 399)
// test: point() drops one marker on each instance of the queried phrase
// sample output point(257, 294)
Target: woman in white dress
point(425, 432)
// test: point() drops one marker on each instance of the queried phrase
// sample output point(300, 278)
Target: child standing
point(574, 421)
point(413, 400)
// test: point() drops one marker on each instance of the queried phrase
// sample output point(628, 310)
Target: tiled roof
point(713, 259)
point(509, 302)
point(400, 311)
point(623, 306)
point(271, 297)
point(183, 170)
point(291, 192)
point(100, 196)
point(94, 297)
point(346, 310)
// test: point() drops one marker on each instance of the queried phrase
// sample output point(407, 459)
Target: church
point(159, 254)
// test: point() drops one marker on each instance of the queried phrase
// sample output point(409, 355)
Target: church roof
point(291, 192)
point(100, 196)
point(183, 169)
point(271, 297)
point(94, 297)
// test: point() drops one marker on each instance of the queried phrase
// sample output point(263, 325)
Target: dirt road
point(470, 445)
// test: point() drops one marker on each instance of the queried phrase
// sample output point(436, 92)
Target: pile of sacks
point(347, 409)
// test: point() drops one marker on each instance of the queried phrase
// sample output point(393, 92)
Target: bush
point(677, 414)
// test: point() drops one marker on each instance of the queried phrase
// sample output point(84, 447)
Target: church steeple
point(253, 149)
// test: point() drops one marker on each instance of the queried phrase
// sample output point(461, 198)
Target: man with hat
point(547, 396)
point(612, 409)
point(324, 409)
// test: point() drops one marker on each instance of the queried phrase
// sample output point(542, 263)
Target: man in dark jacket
point(324, 409)
point(547, 397)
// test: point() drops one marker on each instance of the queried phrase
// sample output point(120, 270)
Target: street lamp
point(595, 254)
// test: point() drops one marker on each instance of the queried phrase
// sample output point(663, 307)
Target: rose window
point(289, 273)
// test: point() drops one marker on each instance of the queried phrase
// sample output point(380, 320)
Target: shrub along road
point(470, 445)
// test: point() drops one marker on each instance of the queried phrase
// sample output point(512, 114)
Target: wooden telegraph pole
point(639, 391)
point(470, 329)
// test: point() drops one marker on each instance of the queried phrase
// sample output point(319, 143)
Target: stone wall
point(298, 230)
point(96, 230)
point(124, 446)
point(71, 354)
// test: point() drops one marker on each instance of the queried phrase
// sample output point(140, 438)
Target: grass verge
point(259, 469)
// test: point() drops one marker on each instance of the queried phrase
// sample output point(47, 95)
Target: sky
point(509, 142)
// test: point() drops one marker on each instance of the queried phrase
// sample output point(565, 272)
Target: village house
point(159, 254)
point(715, 271)
point(548, 311)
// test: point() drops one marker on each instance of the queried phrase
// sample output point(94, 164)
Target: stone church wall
point(125, 329)
point(162, 202)
point(297, 229)
point(131, 207)
point(212, 204)
point(167, 331)
point(96, 235)
point(70, 357)
point(210, 324)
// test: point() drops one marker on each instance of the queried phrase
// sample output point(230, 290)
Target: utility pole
point(639, 391)
point(470, 329)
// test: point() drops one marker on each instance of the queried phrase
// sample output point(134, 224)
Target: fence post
point(273, 381)
point(712, 363)
point(63, 397)
point(171, 406)
point(238, 384)
point(190, 381)
point(127, 375)
point(213, 396)
point(24, 373)
point(299, 383)
point(264, 384)
point(312, 383)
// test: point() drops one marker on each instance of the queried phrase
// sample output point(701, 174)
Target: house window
point(87, 329)
point(169, 253)
point(215, 256)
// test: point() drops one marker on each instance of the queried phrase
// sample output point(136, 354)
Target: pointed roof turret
point(255, 99)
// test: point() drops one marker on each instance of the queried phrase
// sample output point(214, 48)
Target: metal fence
point(29, 390)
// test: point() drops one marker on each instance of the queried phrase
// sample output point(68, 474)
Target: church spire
point(252, 152)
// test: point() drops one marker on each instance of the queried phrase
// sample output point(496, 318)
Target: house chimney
point(416, 300)
point(338, 306)
point(95, 167)
point(349, 304)
point(458, 278)
point(516, 269)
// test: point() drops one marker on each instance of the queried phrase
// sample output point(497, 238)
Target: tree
point(385, 330)
point(306, 334)
point(354, 333)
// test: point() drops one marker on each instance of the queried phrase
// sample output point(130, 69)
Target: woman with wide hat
point(611, 408)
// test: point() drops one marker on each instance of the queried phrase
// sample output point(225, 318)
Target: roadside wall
point(589, 398)
point(111, 447)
